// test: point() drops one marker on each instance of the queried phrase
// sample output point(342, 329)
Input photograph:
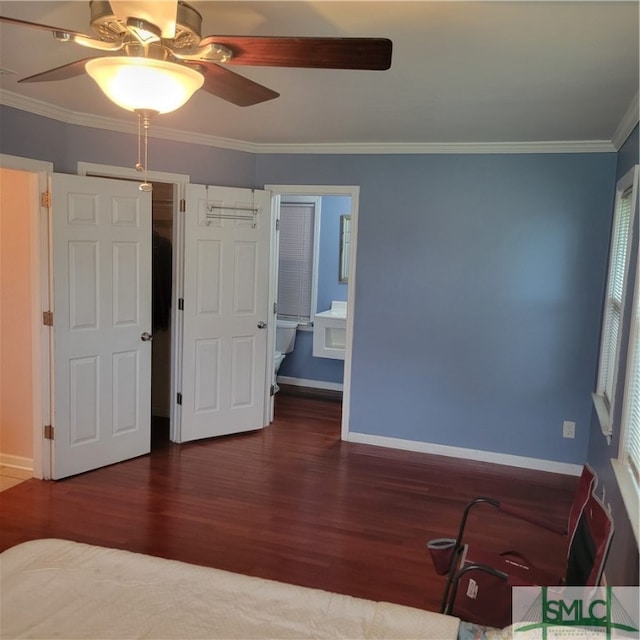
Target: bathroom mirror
point(345, 246)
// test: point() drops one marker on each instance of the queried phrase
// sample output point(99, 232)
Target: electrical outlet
point(568, 429)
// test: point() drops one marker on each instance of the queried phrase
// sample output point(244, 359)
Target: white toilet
point(285, 341)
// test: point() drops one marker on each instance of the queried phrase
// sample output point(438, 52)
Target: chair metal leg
point(459, 546)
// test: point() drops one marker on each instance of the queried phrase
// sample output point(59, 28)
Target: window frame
point(608, 379)
point(628, 478)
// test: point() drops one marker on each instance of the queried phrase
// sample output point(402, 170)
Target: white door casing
point(101, 235)
point(225, 311)
point(280, 191)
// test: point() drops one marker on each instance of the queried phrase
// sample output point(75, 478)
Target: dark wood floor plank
point(293, 503)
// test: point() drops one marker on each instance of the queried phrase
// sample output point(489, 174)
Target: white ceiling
point(462, 72)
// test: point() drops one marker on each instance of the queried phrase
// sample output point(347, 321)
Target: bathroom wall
point(301, 364)
point(329, 286)
point(16, 371)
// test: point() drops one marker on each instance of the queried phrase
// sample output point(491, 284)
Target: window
point(604, 397)
point(627, 466)
point(630, 436)
point(297, 261)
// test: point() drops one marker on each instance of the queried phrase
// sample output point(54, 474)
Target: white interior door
point(101, 232)
point(226, 293)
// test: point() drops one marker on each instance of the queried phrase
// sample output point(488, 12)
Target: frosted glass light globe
point(144, 84)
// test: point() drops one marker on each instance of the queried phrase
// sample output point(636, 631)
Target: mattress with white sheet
point(61, 589)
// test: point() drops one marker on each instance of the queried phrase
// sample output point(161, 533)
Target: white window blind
point(630, 441)
point(613, 308)
point(296, 260)
point(615, 292)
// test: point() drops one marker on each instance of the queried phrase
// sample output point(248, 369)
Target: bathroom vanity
point(330, 331)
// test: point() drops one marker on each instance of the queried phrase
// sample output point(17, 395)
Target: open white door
point(226, 293)
point(101, 238)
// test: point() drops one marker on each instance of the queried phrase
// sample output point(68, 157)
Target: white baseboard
point(17, 462)
point(312, 384)
point(468, 454)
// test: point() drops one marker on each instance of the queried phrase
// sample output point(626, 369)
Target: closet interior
point(162, 274)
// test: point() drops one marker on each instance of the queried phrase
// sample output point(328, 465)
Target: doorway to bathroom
point(314, 274)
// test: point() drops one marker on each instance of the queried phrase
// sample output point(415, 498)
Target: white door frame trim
point(40, 296)
point(279, 190)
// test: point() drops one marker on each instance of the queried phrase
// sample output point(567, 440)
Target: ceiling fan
point(163, 40)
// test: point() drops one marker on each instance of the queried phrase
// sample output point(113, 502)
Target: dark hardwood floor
point(293, 503)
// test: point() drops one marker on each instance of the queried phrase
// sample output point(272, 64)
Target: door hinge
point(272, 391)
point(48, 432)
point(275, 308)
point(179, 398)
point(47, 318)
point(278, 224)
point(181, 304)
point(45, 199)
point(183, 205)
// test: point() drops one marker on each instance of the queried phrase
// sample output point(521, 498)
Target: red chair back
point(590, 545)
point(586, 486)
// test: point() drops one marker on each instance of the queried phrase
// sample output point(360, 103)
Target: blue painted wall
point(329, 286)
point(479, 279)
point(622, 565)
point(301, 363)
point(31, 136)
point(478, 294)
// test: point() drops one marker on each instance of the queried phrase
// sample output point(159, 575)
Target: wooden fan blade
point(232, 87)
point(63, 72)
point(42, 27)
point(319, 53)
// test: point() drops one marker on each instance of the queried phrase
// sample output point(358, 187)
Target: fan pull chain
point(139, 166)
point(143, 117)
point(146, 186)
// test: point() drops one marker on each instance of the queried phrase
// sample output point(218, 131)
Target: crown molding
point(37, 107)
point(47, 110)
point(434, 148)
point(627, 124)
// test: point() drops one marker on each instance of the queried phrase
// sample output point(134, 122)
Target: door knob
point(145, 337)
point(261, 325)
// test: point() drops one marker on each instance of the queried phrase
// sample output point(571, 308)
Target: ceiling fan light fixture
point(144, 84)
